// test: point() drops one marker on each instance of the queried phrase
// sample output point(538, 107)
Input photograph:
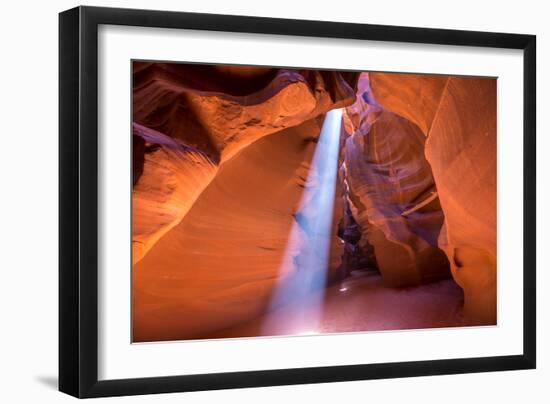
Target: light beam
point(303, 272)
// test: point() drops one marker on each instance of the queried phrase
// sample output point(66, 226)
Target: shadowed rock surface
point(458, 116)
point(388, 176)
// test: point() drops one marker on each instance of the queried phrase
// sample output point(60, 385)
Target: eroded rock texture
point(168, 178)
point(415, 97)
point(458, 116)
point(222, 156)
point(392, 192)
point(221, 117)
point(190, 119)
point(226, 253)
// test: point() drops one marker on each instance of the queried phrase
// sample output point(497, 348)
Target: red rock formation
point(219, 122)
point(222, 155)
point(461, 148)
point(208, 114)
point(227, 251)
point(458, 115)
point(389, 180)
point(173, 178)
point(413, 96)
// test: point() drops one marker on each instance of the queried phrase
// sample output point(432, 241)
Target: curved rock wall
point(168, 178)
point(389, 179)
point(413, 96)
point(220, 122)
point(210, 114)
point(226, 253)
point(222, 155)
point(460, 126)
point(461, 148)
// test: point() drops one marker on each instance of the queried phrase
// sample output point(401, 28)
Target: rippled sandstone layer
point(208, 114)
point(458, 117)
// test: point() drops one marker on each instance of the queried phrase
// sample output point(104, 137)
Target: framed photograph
point(251, 201)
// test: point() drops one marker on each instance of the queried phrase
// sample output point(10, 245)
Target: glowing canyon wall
point(221, 158)
point(219, 170)
point(392, 192)
point(458, 117)
point(197, 117)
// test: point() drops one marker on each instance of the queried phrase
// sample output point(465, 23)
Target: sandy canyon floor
point(361, 303)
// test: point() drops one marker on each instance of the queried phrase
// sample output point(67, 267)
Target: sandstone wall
point(458, 116)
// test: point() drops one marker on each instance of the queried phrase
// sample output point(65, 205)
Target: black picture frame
point(78, 201)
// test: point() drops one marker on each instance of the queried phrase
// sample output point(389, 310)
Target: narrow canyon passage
point(296, 201)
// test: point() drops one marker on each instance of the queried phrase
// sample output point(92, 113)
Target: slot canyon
point(275, 201)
